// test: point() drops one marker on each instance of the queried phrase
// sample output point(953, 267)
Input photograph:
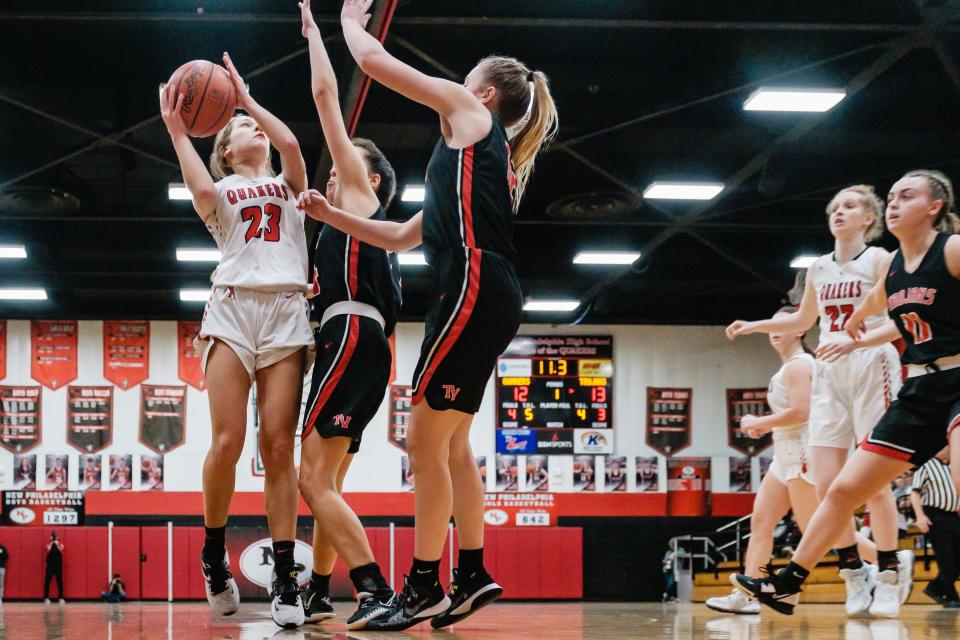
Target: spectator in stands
point(670, 587)
point(115, 590)
point(3, 568)
point(935, 502)
point(54, 568)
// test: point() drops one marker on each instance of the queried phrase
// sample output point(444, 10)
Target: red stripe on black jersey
point(466, 196)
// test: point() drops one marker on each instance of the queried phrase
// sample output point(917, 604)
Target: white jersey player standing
point(851, 389)
point(255, 328)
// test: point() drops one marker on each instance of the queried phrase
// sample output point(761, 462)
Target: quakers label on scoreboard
point(556, 382)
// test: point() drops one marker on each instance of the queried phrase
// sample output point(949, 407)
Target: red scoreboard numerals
point(598, 394)
point(520, 393)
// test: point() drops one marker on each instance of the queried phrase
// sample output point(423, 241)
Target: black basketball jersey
point(469, 197)
point(346, 269)
point(925, 305)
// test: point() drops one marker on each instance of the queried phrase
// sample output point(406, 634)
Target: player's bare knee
point(225, 450)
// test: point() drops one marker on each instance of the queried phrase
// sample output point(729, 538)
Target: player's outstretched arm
point(800, 320)
point(355, 188)
point(195, 174)
point(392, 236)
point(291, 160)
point(468, 118)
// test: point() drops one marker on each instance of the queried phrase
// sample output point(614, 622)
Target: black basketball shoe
point(415, 604)
point(316, 607)
point(370, 606)
point(769, 591)
point(467, 594)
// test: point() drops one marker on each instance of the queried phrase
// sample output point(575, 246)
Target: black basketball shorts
point(918, 422)
point(350, 376)
point(474, 311)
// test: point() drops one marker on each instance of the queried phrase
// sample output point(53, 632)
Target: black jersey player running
point(920, 289)
point(357, 297)
point(475, 306)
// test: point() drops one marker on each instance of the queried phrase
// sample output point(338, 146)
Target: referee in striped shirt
point(935, 503)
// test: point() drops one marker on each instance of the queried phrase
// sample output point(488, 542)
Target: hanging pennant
point(163, 411)
point(188, 368)
point(3, 349)
point(89, 418)
point(126, 352)
point(20, 425)
point(53, 347)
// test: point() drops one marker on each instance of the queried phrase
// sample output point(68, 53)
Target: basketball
point(577, 467)
point(209, 97)
point(529, 469)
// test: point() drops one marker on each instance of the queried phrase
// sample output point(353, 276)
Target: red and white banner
point(126, 352)
point(53, 347)
point(3, 349)
point(520, 509)
point(188, 368)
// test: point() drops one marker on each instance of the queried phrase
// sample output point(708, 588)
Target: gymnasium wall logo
point(256, 562)
point(592, 441)
point(516, 441)
point(495, 517)
point(22, 515)
point(554, 441)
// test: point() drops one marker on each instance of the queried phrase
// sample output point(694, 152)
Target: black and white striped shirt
point(935, 486)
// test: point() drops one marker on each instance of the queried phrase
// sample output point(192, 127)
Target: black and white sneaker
point(222, 593)
point(467, 594)
point(316, 608)
point(286, 607)
point(415, 604)
point(370, 607)
point(768, 591)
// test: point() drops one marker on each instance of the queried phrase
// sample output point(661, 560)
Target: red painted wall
point(530, 563)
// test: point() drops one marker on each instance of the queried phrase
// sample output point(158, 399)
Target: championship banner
point(688, 486)
point(42, 508)
point(53, 352)
point(668, 419)
point(163, 411)
point(126, 352)
point(188, 360)
point(401, 403)
point(20, 424)
point(519, 509)
point(741, 402)
point(89, 418)
point(3, 349)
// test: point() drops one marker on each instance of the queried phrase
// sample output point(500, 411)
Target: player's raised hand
point(243, 96)
point(307, 23)
point(738, 328)
point(356, 11)
point(170, 111)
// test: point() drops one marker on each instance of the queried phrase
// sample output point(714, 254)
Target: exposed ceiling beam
point(468, 21)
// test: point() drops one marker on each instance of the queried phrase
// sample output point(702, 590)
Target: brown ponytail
point(513, 80)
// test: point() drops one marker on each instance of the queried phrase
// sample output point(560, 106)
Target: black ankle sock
point(425, 572)
point(887, 560)
point(214, 544)
point(282, 555)
point(849, 557)
point(320, 583)
point(370, 579)
point(470, 561)
point(792, 576)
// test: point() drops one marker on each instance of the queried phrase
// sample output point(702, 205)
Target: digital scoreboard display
point(556, 382)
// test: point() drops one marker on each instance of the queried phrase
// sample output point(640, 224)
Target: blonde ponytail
point(535, 113)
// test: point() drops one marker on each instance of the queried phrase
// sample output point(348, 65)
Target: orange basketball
point(529, 469)
point(577, 467)
point(209, 97)
point(513, 470)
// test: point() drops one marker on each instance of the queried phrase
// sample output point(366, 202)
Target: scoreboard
point(556, 382)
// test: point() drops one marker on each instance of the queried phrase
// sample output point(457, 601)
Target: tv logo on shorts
point(256, 562)
point(592, 441)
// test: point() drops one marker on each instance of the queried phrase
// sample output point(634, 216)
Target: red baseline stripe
point(324, 394)
point(953, 424)
point(353, 277)
point(473, 288)
point(872, 447)
point(466, 196)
